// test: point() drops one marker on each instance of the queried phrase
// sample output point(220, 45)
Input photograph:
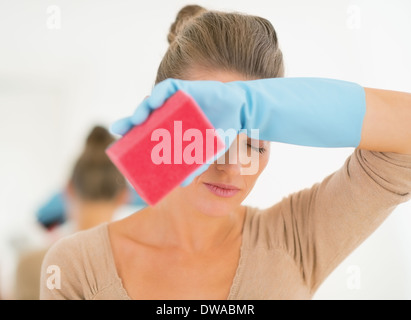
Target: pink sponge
point(161, 153)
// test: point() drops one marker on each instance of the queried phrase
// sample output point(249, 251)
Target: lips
point(222, 190)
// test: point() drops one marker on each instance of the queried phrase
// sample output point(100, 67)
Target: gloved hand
point(221, 104)
point(53, 212)
point(314, 112)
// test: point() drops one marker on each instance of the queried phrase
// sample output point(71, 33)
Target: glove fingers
point(121, 126)
point(141, 113)
point(159, 95)
point(162, 92)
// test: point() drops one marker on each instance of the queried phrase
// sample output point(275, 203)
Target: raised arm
point(315, 112)
point(387, 121)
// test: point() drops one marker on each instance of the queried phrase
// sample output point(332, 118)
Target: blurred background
point(66, 66)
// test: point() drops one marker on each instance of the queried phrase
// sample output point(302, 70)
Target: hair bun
point(183, 17)
point(94, 176)
point(99, 137)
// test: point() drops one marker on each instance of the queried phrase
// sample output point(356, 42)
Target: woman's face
point(210, 193)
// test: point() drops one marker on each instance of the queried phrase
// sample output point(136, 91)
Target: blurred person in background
point(94, 192)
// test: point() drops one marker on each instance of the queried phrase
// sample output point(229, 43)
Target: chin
point(204, 202)
point(214, 206)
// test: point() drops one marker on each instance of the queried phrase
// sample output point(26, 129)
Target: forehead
point(198, 73)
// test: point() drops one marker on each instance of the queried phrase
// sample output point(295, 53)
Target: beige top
point(287, 250)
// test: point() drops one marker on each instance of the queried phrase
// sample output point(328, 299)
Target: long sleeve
point(319, 227)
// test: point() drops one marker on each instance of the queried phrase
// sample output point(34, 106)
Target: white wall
point(56, 83)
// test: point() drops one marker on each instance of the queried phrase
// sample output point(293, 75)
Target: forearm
point(387, 121)
point(314, 112)
point(331, 113)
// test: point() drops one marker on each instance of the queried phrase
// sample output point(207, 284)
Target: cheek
point(250, 180)
point(264, 160)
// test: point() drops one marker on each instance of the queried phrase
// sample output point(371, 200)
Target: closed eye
point(260, 150)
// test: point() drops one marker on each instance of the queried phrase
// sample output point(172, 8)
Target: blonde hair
point(235, 42)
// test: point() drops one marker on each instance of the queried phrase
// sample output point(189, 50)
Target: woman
point(199, 242)
point(95, 191)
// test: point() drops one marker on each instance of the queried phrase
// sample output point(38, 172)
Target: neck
point(181, 226)
point(91, 214)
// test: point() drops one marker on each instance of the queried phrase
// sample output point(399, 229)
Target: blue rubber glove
point(53, 212)
point(313, 112)
point(220, 103)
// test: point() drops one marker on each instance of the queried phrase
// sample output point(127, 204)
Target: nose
point(229, 161)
